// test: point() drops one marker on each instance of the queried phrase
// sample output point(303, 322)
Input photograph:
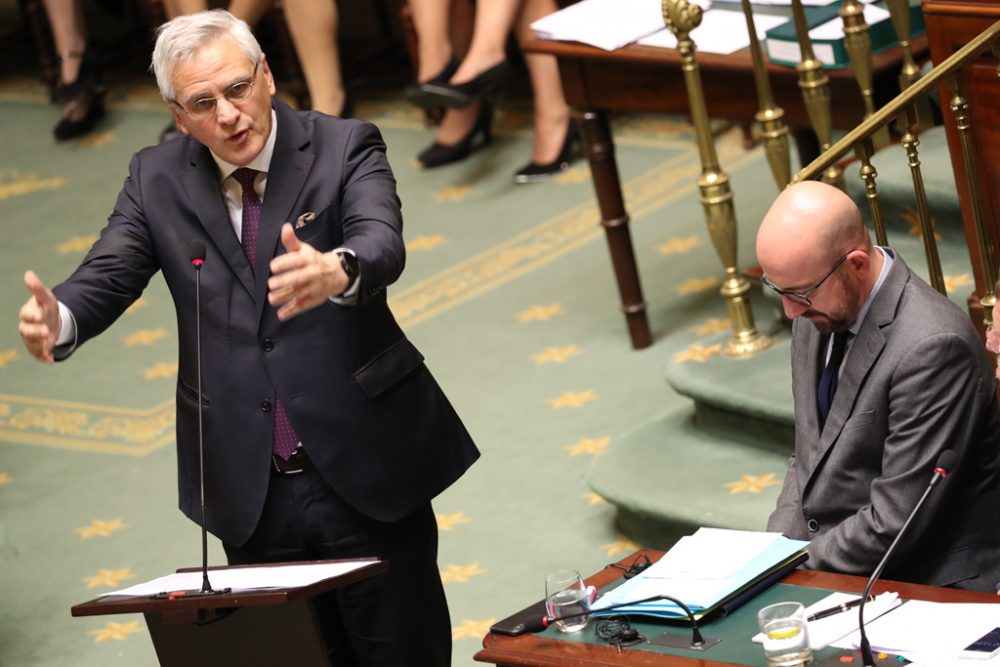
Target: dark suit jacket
point(367, 410)
point(916, 383)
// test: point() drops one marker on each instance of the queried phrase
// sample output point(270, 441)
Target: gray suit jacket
point(916, 382)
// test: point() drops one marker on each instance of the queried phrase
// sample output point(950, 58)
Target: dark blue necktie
point(828, 380)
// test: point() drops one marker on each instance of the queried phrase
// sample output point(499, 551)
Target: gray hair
point(180, 40)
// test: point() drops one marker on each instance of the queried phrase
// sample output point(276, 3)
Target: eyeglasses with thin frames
point(204, 107)
point(803, 298)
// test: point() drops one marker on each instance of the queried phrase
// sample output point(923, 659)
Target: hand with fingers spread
point(39, 321)
point(303, 277)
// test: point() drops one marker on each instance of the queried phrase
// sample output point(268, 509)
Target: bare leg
point(69, 35)
point(313, 24)
point(494, 20)
point(177, 8)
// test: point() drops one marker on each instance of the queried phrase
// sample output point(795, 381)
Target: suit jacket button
point(812, 525)
point(268, 345)
point(265, 405)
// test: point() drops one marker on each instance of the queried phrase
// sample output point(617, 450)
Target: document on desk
point(703, 570)
point(606, 24)
point(721, 31)
point(930, 633)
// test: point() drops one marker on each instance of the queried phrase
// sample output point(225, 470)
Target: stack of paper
point(721, 31)
point(606, 24)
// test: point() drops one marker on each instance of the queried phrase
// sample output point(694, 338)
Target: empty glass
point(566, 595)
point(786, 634)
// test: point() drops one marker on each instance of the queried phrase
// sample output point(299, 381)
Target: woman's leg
point(313, 25)
point(494, 19)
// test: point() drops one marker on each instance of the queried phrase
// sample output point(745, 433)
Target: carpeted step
point(725, 482)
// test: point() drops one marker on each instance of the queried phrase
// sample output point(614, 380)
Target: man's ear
point(266, 71)
point(859, 261)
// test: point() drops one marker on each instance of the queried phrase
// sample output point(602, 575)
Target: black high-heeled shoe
point(534, 172)
point(438, 155)
point(416, 93)
point(88, 88)
point(461, 95)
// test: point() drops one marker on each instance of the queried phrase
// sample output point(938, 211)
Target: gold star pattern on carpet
point(699, 353)
point(540, 313)
point(96, 139)
point(556, 354)
point(7, 356)
point(595, 446)
point(141, 302)
point(681, 244)
point(117, 631)
point(572, 399)
point(5, 478)
point(472, 629)
point(452, 193)
point(424, 242)
point(101, 528)
point(912, 218)
point(144, 337)
point(696, 285)
point(160, 371)
point(76, 244)
point(16, 184)
point(449, 521)
point(751, 484)
point(713, 325)
point(461, 573)
point(594, 499)
point(951, 283)
point(574, 175)
point(108, 577)
point(622, 546)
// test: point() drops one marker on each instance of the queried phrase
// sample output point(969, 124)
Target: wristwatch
point(349, 263)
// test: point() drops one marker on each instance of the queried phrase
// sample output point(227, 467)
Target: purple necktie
point(285, 440)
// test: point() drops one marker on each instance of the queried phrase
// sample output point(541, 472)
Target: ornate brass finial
point(858, 42)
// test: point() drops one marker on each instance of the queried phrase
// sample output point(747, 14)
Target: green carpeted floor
point(508, 292)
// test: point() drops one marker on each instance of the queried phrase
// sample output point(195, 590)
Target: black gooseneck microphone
point(698, 643)
point(946, 461)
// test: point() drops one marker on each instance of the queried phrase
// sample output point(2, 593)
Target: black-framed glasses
point(802, 298)
point(238, 92)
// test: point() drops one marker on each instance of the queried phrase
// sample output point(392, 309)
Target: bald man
point(886, 375)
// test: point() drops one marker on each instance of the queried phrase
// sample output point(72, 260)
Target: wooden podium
point(274, 626)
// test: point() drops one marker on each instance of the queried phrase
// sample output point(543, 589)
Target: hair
point(180, 39)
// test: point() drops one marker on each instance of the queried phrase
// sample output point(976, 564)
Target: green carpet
point(508, 292)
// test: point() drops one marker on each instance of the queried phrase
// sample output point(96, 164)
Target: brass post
point(815, 86)
point(858, 42)
point(899, 10)
point(910, 143)
point(987, 255)
point(864, 151)
point(681, 17)
point(770, 116)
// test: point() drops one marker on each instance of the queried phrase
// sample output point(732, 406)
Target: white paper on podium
point(245, 578)
point(606, 24)
point(721, 31)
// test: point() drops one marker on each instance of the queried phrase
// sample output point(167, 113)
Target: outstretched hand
point(303, 277)
point(39, 321)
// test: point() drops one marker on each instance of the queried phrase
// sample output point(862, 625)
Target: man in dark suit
point(886, 375)
point(326, 436)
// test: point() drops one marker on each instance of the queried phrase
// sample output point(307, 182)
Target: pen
point(840, 608)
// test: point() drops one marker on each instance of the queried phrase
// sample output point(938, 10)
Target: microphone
point(698, 643)
point(946, 461)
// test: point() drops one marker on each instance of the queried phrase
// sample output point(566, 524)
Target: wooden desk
point(645, 78)
point(534, 651)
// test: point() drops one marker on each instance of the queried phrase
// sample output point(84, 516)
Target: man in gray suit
point(886, 375)
point(325, 434)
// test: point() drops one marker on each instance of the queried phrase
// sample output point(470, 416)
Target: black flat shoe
point(461, 95)
point(416, 93)
point(438, 155)
point(88, 89)
point(534, 172)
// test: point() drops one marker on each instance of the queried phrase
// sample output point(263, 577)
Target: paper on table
point(711, 553)
point(245, 578)
point(931, 632)
point(834, 28)
point(721, 31)
point(828, 630)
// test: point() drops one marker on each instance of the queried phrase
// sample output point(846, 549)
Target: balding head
point(808, 228)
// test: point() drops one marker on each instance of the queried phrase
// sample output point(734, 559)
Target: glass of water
point(566, 595)
point(786, 634)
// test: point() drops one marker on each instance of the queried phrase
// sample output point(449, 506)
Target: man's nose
point(226, 112)
point(792, 308)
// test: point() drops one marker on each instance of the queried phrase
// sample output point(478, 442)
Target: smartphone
point(983, 648)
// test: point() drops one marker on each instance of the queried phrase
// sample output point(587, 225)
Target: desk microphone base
point(682, 641)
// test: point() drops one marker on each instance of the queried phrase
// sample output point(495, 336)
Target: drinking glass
point(786, 634)
point(566, 594)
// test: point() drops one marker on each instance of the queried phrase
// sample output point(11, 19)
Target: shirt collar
point(261, 163)
point(887, 260)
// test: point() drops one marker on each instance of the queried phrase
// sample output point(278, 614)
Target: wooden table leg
point(600, 151)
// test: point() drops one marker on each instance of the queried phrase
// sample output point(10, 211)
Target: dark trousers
point(399, 617)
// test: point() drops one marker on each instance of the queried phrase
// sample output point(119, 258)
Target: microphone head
point(946, 461)
point(196, 251)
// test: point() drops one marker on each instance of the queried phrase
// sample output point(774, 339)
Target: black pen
point(840, 608)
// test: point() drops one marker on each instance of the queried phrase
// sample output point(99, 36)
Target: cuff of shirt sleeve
point(66, 342)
